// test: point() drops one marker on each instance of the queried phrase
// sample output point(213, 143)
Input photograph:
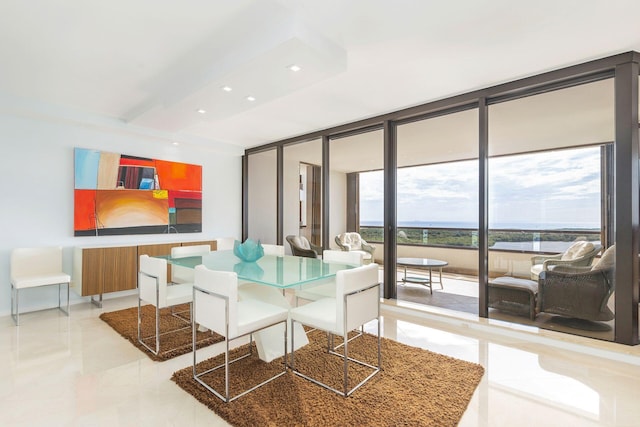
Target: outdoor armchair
point(579, 254)
point(354, 242)
point(579, 292)
point(301, 246)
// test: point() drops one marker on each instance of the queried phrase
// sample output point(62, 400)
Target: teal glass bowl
point(249, 251)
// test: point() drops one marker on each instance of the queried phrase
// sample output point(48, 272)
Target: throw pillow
point(577, 250)
point(607, 260)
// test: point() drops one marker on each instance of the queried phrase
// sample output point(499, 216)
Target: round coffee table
point(422, 263)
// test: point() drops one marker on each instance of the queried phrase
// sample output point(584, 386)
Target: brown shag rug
point(415, 388)
point(175, 335)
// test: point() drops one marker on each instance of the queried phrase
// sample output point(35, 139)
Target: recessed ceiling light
point(175, 143)
point(201, 111)
point(226, 88)
point(250, 98)
point(294, 67)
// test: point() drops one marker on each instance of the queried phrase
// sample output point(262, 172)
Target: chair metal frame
point(345, 356)
point(15, 300)
point(15, 297)
point(197, 376)
point(157, 306)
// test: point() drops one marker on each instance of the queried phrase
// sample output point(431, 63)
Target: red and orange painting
point(119, 194)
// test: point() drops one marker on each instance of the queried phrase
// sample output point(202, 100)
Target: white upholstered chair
point(216, 306)
point(34, 267)
point(357, 302)
point(277, 250)
point(180, 274)
point(153, 289)
point(225, 243)
point(328, 288)
point(352, 241)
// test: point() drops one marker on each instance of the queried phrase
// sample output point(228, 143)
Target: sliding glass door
point(550, 209)
point(356, 189)
point(437, 211)
point(262, 196)
point(302, 191)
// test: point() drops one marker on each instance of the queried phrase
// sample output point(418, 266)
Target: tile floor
point(60, 371)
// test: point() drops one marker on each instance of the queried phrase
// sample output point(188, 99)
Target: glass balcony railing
point(552, 241)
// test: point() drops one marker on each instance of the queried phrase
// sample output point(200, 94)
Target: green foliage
point(468, 238)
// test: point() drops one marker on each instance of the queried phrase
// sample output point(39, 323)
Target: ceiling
point(154, 63)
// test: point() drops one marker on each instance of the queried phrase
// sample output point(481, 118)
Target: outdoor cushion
point(352, 241)
point(577, 250)
point(301, 242)
point(607, 260)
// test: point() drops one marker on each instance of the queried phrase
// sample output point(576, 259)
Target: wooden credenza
point(100, 270)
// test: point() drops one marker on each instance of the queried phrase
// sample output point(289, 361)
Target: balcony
point(510, 253)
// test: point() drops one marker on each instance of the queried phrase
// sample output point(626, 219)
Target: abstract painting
point(121, 194)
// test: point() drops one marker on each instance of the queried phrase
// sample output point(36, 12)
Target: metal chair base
point(157, 335)
point(226, 398)
point(331, 350)
point(15, 309)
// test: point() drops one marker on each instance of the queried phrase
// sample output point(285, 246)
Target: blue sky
point(541, 188)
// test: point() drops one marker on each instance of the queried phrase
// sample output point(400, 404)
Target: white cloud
point(546, 187)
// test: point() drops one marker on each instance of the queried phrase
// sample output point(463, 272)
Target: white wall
point(37, 184)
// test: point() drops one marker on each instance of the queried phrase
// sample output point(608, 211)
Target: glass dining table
point(278, 272)
point(266, 279)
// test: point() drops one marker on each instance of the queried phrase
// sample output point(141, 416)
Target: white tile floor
point(60, 371)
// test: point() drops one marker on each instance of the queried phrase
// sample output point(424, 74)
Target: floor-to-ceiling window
point(549, 208)
point(556, 173)
point(437, 209)
point(356, 203)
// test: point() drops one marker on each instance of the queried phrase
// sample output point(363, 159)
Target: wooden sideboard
point(100, 270)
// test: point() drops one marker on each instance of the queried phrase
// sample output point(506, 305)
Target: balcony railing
point(552, 241)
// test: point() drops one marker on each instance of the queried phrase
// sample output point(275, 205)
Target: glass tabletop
point(281, 272)
point(422, 262)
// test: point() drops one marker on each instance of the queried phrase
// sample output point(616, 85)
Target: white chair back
point(362, 306)
point(276, 250)
point(209, 310)
point(193, 250)
point(225, 243)
point(343, 257)
point(157, 269)
point(36, 261)
point(181, 274)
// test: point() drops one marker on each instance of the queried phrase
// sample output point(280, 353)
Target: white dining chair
point(35, 267)
point(357, 302)
point(277, 250)
point(225, 243)
point(153, 289)
point(216, 306)
point(180, 274)
point(328, 288)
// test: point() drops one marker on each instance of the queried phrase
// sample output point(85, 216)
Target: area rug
point(415, 388)
point(175, 339)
